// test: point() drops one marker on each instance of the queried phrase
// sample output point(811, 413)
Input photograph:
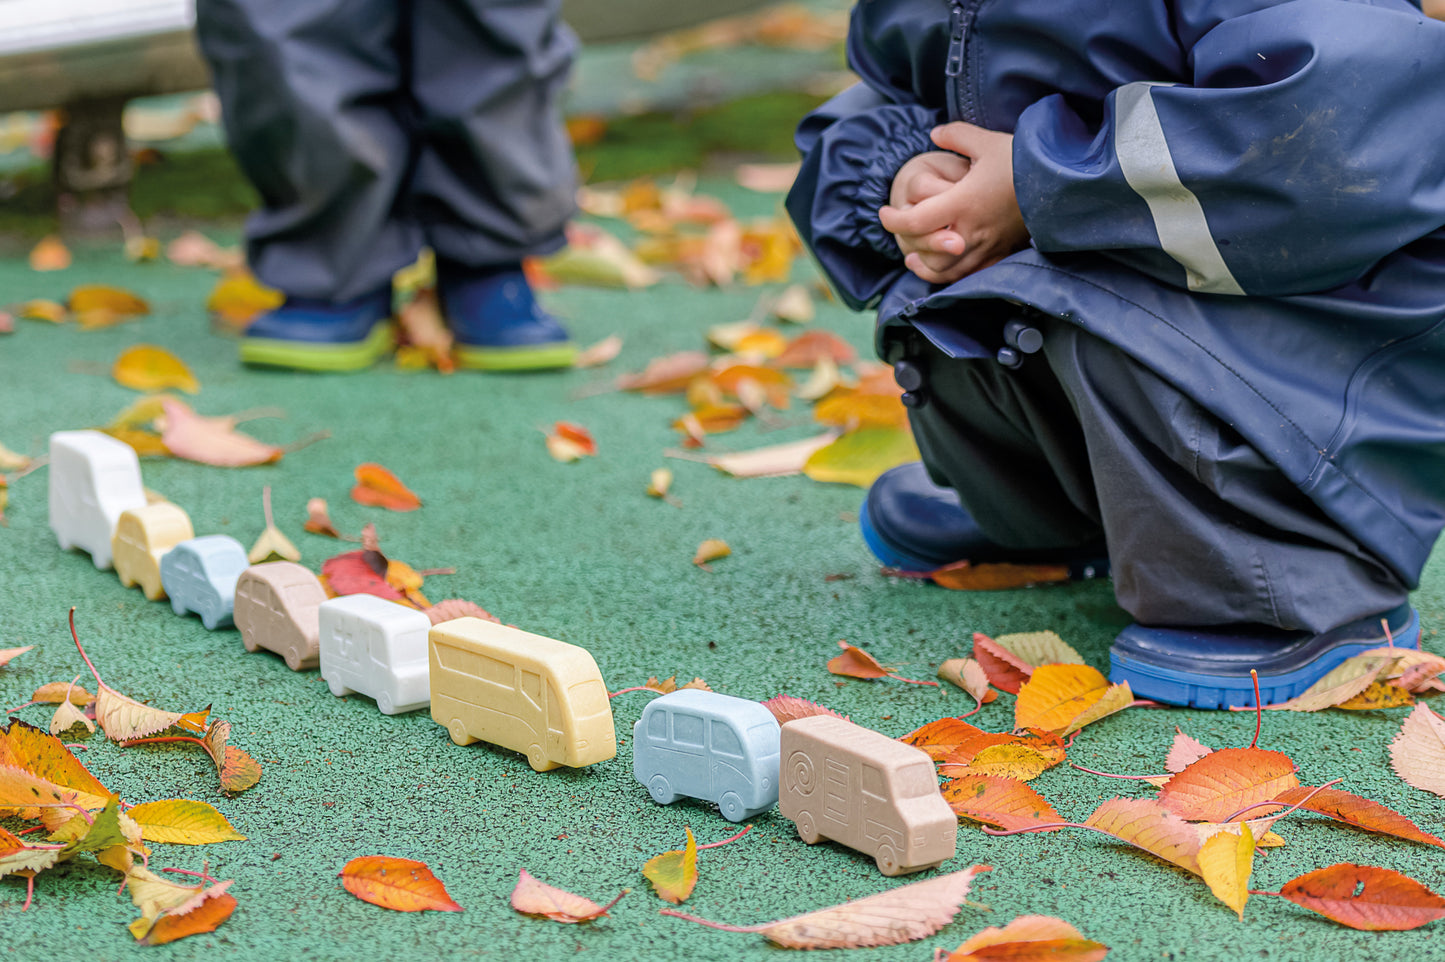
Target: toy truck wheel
point(660, 790)
point(178, 608)
point(731, 806)
point(337, 688)
point(385, 704)
point(887, 860)
point(458, 732)
point(807, 831)
point(539, 760)
point(125, 582)
point(293, 660)
point(210, 621)
point(250, 645)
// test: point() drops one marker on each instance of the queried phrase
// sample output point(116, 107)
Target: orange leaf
point(810, 347)
point(28, 748)
point(318, 519)
point(194, 249)
point(1064, 698)
point(1144, 823)
point(941, 738)
point(710, 550)
point(204, 918)
point(854, 662)
point(1005, 802)
point(674, 874)
point(712, 419)
point(352, 573)
point(577, 434)
point(238, 770)
point(903, 914)
point(213, 441)
point(55, 692)
point(999, 576)
point(50, 254)
point(396, 883)
point(1005, 670)
point(1223, 782)
point(786, 708)
point(377, 486)
point(1010, 756)
point(1029, 938)
point(855, 408)
point(1359, 812)
point(1365, 897)
point(531, 897)
point(666, 375)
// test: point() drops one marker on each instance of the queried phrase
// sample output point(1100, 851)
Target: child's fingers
point(928, 215)
point(945, 274)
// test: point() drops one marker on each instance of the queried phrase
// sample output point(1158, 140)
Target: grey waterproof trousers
point(1083, 441)
point(373, 127)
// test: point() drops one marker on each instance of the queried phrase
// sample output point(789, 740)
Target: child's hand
point(981, 209)
point(924, 176)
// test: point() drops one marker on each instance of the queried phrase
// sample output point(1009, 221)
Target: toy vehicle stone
point(534, 695)
point(376, 648)
point(867, 791)
point(200, 576)
point(278, 608)
point(93, 479)
point(706, 745)
point(142, 537)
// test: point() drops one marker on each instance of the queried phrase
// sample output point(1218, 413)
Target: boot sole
point(529, 358)
point(311, 356)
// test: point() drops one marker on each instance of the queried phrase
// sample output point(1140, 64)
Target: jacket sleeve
point(1304, 148)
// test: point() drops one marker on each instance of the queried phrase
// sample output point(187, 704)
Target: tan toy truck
point(531, 694)
point(278, 608)
point(867, 791)
point(142, 537)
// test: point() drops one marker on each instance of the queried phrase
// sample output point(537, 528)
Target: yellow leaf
point(658, 483)
point(710, 550)
point(1039, 648)
point(183, 821)
point(1225, 861)
point(141, 249)
point(860, 456)
point(238, 297)
point(1064, 698)
point(102, 298)
point(43, 310)
point(674, 874)
point(145, 367)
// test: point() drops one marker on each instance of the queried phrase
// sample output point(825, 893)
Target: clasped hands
point(953, 210)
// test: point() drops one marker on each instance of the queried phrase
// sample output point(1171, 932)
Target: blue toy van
point(200, 575)
point(709, 746)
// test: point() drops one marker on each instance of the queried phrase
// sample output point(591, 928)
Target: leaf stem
point(1258, 708)
point(1389, 638)
point(83, 655)
point(731, 838)
point(911, 681)
point(721, 926)
point(160, 739)
point(266, 506)
point(1046, 827)
point(1136, 778)
point(1287, 811)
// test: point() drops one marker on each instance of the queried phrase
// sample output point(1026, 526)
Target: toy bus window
point(914, 781)
point(657, 726)
point(532, 687)
point(725, 741)
point(687, 730)
point(873, 782)
point(298, 594)
point(589, 698)
point(494, 671)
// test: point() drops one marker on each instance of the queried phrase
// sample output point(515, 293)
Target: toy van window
point(725, 740)
point(914, 781)
point(297, 594)
point(494, 671)
point(588, 698)
point(657, 726)
point(873, 781)
point(532, 687)
point(687, 730)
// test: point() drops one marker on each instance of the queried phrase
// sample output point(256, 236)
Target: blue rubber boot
point(499, 325)
point(909, 522)
point(309, 335)
point(1209, 668)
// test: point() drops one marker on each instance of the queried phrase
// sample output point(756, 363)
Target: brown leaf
point(1223, 782)
point(54, 692)
point(1366, 897)
point(1380, 694)
point(421, 326)
point(531, 897)
point(786, 708)
point(396, 883)
point(1417, 753)
point(1004, 802)
point(377, 486)
point(211, 440)
point(903, 914)
point(1029, 938)
point(1359, 812)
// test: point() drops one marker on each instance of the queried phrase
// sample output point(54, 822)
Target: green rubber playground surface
point(579, 553)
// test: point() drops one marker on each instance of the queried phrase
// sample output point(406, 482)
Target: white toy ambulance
point(377, 648)
point(93, 479)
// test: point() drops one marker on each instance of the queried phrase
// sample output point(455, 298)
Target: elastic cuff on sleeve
point(876, 185)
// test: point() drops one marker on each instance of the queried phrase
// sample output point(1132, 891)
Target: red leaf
point(396, 883)
point(1005, 802)
point(1366, 897)
point(786, 708)
point(377, 486)
point(352, 574)
point(1359, 812)
point(1005, 670)
point(943, 737)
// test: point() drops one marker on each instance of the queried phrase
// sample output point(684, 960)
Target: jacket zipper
point(962, 103)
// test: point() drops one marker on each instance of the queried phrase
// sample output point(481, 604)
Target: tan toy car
point(142, 537)
point(277, 608)
point(521, 691)
point(866, 790)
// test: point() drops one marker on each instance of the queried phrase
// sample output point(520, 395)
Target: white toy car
point(377, 648)
point(93, 479)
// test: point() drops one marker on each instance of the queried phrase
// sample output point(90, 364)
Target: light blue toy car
point(200, 575)
point(709, 746)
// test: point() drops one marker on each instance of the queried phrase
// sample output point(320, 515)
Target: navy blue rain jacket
point(1246, 196)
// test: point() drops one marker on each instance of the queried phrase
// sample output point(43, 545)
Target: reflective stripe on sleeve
point(1148, 167)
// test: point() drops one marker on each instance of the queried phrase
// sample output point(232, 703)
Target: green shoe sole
point(540, 358)
point(307, 356)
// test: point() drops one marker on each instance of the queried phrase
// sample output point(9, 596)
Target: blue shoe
point(1209, 668)
point(310, 335)
point(498, 323)
point(909, 522)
